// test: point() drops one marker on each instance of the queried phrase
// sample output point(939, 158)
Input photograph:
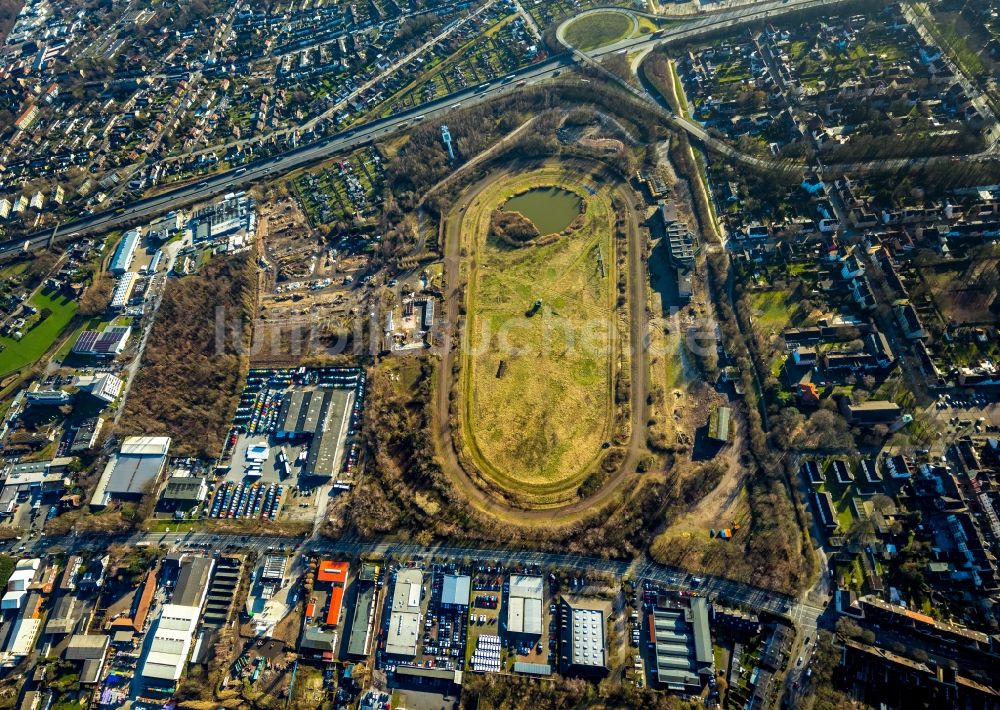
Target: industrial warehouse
point(293, 440)
point(133, 471)
point(319, 415)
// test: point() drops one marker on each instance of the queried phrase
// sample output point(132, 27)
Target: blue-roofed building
point(125, 252)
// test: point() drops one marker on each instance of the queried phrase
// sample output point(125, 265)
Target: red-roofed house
point(26, 118)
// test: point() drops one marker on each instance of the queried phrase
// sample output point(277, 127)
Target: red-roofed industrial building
point(336, 604)
point(333, 574)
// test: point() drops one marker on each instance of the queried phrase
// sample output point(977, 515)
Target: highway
point(267, 168)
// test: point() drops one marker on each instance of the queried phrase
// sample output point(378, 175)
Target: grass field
point(597, 30)
point(536, 423)
point(772, 310)
point(18, 354)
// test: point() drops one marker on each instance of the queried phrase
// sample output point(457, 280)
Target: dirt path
point(452, 340)
point(719, 507)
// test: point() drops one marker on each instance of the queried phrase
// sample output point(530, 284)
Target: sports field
point(537, 377)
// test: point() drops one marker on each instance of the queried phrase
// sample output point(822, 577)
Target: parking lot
point(247, 500)
point(450, 636)
point(444, 629)
point(971, 414)
point(267, 470)
point(529, 648)
point(485, 606)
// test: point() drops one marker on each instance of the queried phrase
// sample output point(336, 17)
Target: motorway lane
point(265, 168)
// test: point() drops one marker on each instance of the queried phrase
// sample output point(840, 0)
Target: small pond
point(552, 209)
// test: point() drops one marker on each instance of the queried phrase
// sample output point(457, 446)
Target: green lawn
point(12, 270)
point(94, 323)
point(18, 354)
point(6, 569)
point(772, 310)
point(165, 525)
point(841, 492)
point(800, 268)
point(679, 90)
point(597, 30)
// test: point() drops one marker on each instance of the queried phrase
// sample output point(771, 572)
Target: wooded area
point(513, 227)
point(8, 13)
point(193, 365)
point(489, 691)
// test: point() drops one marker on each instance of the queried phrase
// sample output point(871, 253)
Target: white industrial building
point(20, 579)
point(524, 605)
point(21, 641)
point(13, 600)
point(455, 591)
point(588, 638)
point(47, 396)
point(130, 473)
point(171, 643)
point(17, 585)
point(582, 648)
point(404, 618)
point(163, 228)
point(125, 252)
point(233, 218)
point(105, 387)
point(123, 291)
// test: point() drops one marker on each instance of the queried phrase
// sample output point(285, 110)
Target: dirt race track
point(482, 492)
point(538, 383)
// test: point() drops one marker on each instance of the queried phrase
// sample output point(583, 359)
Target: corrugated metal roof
point(533, 616)
point(515, 615)
point(533, 668)
point(91, 671)
point(702, 636)
point(146, 445)
point(192, 582)
point(587, 637)
point(171, 642)
point(455, 589)
point(22, 639)
point(85, 646)
point(124, 251)
point(526, 586)
point(361, 626)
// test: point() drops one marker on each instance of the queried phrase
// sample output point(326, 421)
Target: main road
point(727, 591)
point(267, 168)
